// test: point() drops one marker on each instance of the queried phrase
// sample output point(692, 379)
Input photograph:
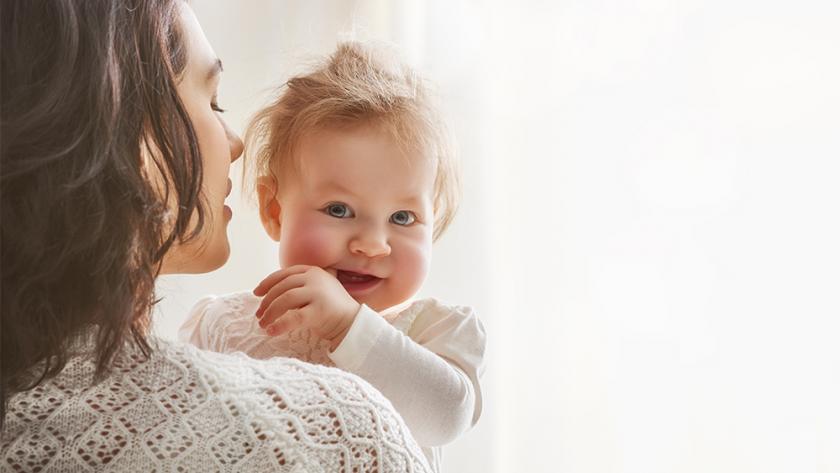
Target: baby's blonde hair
point(357, 85)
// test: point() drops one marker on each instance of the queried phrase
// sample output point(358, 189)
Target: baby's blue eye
point(403, 217)
point(338, 211)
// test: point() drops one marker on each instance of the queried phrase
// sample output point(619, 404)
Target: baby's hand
point(306, 296)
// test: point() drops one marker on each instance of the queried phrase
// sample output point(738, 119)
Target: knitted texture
point(185, 409)
point(432, 380)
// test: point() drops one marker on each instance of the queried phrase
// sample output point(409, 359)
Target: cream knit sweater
point(185, 409)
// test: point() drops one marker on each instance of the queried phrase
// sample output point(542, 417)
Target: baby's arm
point(431, 375)
point(226, 324)
point(215, 324)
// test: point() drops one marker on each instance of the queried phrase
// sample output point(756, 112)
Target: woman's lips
point(228, 213)
point(357, 283)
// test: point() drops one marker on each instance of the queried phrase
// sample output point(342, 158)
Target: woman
point(115, 169)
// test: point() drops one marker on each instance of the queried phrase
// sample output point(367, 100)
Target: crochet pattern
point(186, 409)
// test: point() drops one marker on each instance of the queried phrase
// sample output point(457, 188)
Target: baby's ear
point(269, 206)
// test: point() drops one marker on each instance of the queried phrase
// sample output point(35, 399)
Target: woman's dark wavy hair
point(89, 104)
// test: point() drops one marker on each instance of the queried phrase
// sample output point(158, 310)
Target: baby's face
point(362, 208)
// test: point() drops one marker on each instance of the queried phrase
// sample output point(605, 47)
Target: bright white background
point(650, 226)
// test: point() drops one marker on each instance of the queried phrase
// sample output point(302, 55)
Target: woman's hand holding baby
point(306, 296)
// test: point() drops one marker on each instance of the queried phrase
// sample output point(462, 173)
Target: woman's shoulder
point(184, 407)
point(323, 412)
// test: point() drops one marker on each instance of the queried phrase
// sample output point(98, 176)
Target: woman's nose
point(236, 145)
point(371, 243)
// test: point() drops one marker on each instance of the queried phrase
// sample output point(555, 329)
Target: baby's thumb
point(333, 272)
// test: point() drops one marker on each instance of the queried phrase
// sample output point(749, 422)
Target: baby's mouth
point(356, 282)
point(349, 277)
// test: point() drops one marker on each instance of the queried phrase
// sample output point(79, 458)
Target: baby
point(355, 180)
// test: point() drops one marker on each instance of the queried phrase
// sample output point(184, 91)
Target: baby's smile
point(357, 284)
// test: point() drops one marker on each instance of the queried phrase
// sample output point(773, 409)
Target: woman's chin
point(217, 259)
point(204, 259)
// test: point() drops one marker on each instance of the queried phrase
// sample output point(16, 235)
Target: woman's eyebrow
point(215, 70)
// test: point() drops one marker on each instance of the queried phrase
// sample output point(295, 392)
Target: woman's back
point(184, 409)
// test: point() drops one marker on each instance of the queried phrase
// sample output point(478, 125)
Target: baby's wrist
point(342, 327)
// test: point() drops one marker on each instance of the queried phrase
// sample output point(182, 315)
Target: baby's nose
point(371, 244)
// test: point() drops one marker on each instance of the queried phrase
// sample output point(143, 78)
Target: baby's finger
point(290, 282)
point(293, 299)
point(289, 321)
point(277, 276)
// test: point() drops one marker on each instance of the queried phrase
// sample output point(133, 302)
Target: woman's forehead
point(202, 63)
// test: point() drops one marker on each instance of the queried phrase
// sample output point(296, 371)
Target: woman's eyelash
point(216, 108)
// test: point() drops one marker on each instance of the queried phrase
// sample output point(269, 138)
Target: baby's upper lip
point(230, 187)
point(361, 272)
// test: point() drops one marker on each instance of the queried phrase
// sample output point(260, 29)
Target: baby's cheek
point(414, 263)
point(306, 244)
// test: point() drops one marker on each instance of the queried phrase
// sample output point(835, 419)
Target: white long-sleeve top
point(185, 409)
point(425, 357)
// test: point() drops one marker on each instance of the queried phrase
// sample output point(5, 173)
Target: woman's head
point(110, 171)
point(219, 146)
point(357, 86)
